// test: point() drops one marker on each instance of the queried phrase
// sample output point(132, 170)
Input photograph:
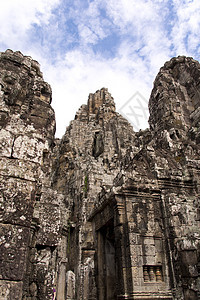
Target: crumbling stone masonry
point(105, 212)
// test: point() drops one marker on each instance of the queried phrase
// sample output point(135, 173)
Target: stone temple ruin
point(105, 212)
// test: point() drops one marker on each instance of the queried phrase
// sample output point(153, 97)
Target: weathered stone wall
point(105, 212)
point(88, 161)
point(30, 212)
point(177, 168)
point(27, 123)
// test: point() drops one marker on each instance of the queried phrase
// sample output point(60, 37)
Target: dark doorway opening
point(106, 262)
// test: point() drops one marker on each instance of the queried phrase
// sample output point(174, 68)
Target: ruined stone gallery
point(105, 212)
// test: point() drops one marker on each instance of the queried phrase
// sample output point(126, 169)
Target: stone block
point(136, 261)
point(28, 148)
point(139, 250)
point(149, 250)
point(133, 239)
point(50, 224)
point(10, 290)
point(16, 201)
point(70, 283)
point(158, 245)
point(13, 248)
point(135, 275)
point(19, 169)
point(159, 258)
point(6, 143)
point(149, 260)
point(149, 240)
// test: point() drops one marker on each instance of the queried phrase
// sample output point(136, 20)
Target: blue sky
point(85, 45)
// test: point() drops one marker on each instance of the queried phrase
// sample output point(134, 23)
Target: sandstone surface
point(104, 212)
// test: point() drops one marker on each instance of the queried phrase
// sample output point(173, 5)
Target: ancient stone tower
point(104, 213)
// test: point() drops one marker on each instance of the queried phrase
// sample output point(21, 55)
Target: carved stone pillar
point(146, 274)
point(152, 274)
point(158, 274)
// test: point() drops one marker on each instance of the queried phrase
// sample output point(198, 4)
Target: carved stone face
point(11, 87)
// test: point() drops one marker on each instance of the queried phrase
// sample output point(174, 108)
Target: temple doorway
point(106, 262)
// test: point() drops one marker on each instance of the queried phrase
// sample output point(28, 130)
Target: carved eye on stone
point(44, 91)
point(9, 80)
point(45, 94)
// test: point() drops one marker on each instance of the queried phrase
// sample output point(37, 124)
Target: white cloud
point(80, 73)
point(92, 26)
point(146, 32)
point(87, 35)
point(17, 17)
point(185, 32)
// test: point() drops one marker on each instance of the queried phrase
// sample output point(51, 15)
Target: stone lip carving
point(104, 212)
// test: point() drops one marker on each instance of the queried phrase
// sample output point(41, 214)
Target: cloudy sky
point(84, 45)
